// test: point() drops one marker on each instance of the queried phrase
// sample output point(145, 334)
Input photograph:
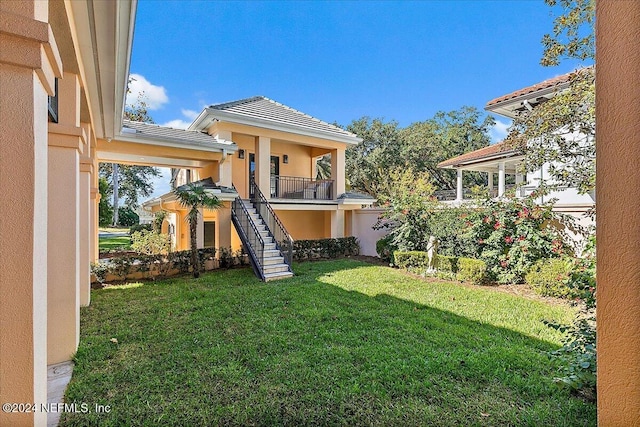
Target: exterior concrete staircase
point(266, 241)
point(273, 263)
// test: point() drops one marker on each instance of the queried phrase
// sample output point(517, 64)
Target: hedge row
point(463, 269)
point(325, 248)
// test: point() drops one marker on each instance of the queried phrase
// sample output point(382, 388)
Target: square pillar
point(337, 223)
point(199, 230)
point(85, 231)
point(263, 165)
point(618, 231)
point(28, 66)
point(94, 216)
point(337, 172)
point(519, 181)
point(459, 189)
point(223, 227)
point(225, 177)
point(501, 177)
point(490, 182)
point(66, 143)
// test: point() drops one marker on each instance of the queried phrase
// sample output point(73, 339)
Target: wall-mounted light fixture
point(285, 159)
point(241, 154)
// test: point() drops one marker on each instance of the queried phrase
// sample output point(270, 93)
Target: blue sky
point(339, 60)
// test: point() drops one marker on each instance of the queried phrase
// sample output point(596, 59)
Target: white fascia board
point(268, 124)
point(487, 160)
point(125, 24)
point(174, 143)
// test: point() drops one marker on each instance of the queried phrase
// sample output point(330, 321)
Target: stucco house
point(268, 169)
point(503, 164)
point(64, 67)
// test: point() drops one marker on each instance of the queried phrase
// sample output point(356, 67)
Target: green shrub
point(325, 248)
point(385, 248)
point(127, 217)
point(415, 261)
point(472, 270)
point(139, 227)
point(150, 243)
point(549, 277)
point(447, 264)
point(463, 269)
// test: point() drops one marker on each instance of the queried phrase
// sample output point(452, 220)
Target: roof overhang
point(512, 106)
point(171, 197)
point(102, 33)
point(512, 156)
point(209, 116)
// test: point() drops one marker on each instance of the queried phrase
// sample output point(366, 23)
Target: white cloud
point(154, 96)
point(177, 124)
point(181, 123)
point(190, 114)
point(499, 131)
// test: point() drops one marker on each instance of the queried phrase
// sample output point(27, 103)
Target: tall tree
point(446, 135)
point(367, 164)
point(129, 181)
point(194, 197)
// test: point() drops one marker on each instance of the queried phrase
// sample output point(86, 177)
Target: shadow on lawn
point(227, 349)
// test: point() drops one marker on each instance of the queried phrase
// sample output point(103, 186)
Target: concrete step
point(275, 268)
point(270, 253)
point(277, 276)
point(273, 260)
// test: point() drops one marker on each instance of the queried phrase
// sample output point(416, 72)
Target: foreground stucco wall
point(26, 77)
point(618, 195)
point(305, 225)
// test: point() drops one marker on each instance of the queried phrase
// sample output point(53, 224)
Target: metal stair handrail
point(249, 235)
point(282, 237)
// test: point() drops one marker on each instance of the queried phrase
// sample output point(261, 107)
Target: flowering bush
point(511, 234)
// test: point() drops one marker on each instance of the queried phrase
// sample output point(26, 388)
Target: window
point(52, 104)
point(209, 234)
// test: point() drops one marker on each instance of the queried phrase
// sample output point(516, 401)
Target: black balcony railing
point(294, 187)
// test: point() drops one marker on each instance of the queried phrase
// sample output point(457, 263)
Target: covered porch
point(501, 165)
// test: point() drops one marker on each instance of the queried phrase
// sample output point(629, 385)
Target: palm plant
point(324, 167)
point(194, 197)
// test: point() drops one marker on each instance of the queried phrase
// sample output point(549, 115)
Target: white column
point(263, 165)
point(224, 166)
point(337, 172)
point(501, 179)
point(459, 194)
point(519, 180)
point(86, 169)
point(200, 229)
point(337, 223)
point(490, 182)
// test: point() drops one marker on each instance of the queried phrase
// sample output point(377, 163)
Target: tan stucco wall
point(303, 225)
point(25, 75)
point(618, 198)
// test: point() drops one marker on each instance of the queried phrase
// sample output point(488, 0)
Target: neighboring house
point(270, 151)
point(502, 163)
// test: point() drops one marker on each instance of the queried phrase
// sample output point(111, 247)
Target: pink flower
point(503, 264)
point(497, 225)
point(481, 241)
point(520, 239)
point(508, 239)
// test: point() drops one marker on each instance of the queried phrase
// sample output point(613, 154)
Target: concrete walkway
point(58, 377)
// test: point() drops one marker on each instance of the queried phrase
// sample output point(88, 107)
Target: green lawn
point(113, 242)
point(342, 343)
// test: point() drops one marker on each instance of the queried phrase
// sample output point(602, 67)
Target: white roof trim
point(214, 114)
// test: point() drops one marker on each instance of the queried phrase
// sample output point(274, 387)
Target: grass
point(113, 242)
point(342, 343)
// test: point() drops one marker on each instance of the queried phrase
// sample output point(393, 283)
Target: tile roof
point(262, 108)
point(153, 131)
point(547, 84)
point(499, 149)
point(208, 184)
